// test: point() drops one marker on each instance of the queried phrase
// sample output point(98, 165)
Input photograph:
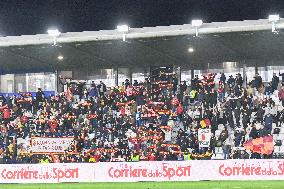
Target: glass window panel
point(45, 81)
point(105, 75)
point(10, 86)
point(250, 73)
point(123, 74)
point(186, 76)
point(7, 83)
point(20, 83)
point(274, 69)
point(140, 74)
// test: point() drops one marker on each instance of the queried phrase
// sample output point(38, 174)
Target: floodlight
point(274, 18)
point(123, 28)
point(60, 57)
point(53, 32)
point(196, 23)
point(190, 49)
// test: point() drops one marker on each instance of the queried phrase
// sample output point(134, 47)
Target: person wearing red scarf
point(152, 157)
point(179, 110)
point(53, 124)
point(6, 113)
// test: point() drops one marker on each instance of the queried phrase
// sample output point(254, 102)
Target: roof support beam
point(147, 32)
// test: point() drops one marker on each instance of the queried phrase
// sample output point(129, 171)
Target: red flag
point(267, 139)
point(262, 145)
point(248, 145)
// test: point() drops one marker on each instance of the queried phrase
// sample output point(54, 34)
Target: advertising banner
point(45, 173)
point(195, 170)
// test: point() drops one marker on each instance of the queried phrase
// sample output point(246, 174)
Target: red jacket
point(122, 111)
point(24, 119)
point(179, 110)
point(175, 101)
point(151, 157)
point(53, 124)
point(6, 113)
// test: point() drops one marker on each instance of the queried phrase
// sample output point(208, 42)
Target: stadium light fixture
point(124, 29)
point(197, 24)
point(190, 49)
point(54, 33)
point(60, 57)
point(274, 18)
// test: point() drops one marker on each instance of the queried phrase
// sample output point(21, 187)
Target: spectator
point(102, 89)
point(223, 78)
point(239, 80)
point(274, 82)
point(151, 120)
point(281, 95)
point(258, 81)
point(183, 87)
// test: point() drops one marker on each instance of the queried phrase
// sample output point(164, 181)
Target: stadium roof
point(250, 42)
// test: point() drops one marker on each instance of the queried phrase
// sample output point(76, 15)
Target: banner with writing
point(50, 145)
point(204, 136)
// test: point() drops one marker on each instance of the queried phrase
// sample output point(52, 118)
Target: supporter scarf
point(170, 145)
point(92, 116)
point(166, 127)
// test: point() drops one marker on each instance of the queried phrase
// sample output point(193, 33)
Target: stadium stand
point(155, 120)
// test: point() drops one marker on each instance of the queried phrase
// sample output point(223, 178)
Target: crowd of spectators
point(154, 120)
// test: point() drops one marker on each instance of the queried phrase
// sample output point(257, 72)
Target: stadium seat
point(280, 156)
point(276, 131)
point(276, 149)
point(219, 153)
point(218, 150)
point(281, 136)
point(275, 137)
point(281, 149)
point(278, 143)
point(282, 130)
point(218, 156)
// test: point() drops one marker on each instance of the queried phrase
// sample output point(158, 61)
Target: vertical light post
point(124, 29)
point(197, 24)
point(274, 18)
point(54, 33)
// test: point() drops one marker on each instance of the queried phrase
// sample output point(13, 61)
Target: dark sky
point(23, 17)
